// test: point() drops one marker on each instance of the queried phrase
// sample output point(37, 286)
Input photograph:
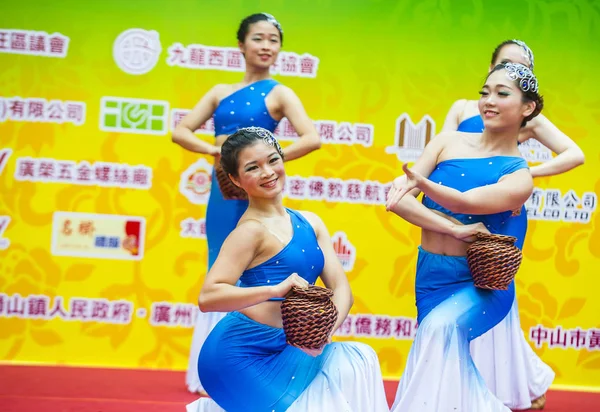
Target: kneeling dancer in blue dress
point(471, 183)
point(247, 363)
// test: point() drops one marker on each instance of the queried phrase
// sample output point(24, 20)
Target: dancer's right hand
point(467, 233)
point(284, 287)
point(315, 352)
point(216, 152)
point(402, 185)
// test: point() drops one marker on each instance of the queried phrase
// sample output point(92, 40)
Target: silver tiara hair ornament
point(522, 74)
point(267, 137)
point(527, 51)
point(273, 21)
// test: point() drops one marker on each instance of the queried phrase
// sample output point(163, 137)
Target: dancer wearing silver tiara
point(464, 116)
point(508, 364)
point(257, 100)
point(245, 363)
point(471, 184)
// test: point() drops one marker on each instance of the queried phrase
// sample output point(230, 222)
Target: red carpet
point(62, 389)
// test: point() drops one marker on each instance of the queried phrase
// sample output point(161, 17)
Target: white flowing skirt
point(205, 322)
point(440, 374)
point(350, 381)
point(510, 368)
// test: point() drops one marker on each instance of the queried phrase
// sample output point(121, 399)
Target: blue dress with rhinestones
point(451, 311)
point(503, 357)
point(247, 366)
point(518, 224)
point(243, 108)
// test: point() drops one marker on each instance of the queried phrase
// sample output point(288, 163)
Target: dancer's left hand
point(402, 185)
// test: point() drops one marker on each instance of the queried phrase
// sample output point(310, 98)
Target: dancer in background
point(257, 100)
point(471, 183)
point(245, 363)
point(506, 361)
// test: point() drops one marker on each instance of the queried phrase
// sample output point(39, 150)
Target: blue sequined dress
point(247, 366)
point(439, 373)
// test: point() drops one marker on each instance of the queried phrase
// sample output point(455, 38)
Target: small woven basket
point(228, 189)
point(308, 316)
point(494, 261)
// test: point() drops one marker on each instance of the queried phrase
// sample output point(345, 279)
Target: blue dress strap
point(513, 165)
point(245, 107)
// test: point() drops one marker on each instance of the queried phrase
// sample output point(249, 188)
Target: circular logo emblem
point(199, 182)
point(136, 51)
point(195, 182)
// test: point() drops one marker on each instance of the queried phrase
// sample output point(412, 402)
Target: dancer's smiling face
point(260, 170)
point(502, 103)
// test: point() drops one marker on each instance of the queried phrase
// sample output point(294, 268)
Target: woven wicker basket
point(308, 316)
point(494, 261)
point(228, 189)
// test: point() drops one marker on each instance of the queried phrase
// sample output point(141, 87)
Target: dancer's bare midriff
point(267, 313)
point(442, 244)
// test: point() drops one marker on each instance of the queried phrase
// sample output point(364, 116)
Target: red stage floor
point(63, 389)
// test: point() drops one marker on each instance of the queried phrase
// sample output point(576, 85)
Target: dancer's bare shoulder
point(222, 90)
